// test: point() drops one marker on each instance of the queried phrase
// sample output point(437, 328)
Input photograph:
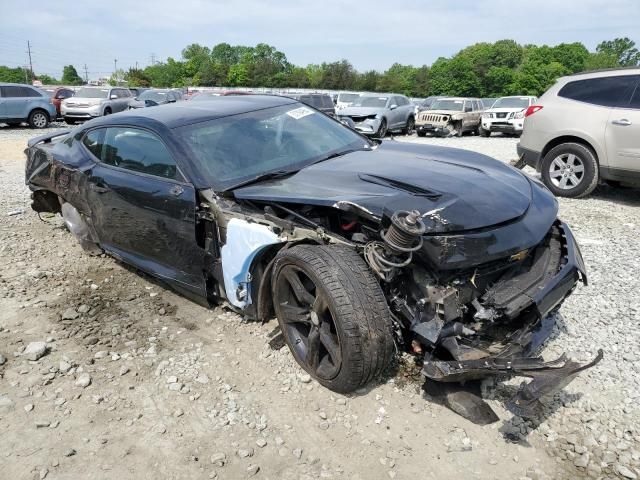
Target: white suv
point(584, 129)
point(506, 115)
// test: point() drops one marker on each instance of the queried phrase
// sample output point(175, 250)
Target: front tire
point(382, 129)
point(38, 119)
point(333, 314)
point(570, 170)
point(107, 111)
point(484, 133)
point(422, 134)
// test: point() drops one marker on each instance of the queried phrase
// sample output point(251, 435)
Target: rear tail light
point(532, 109)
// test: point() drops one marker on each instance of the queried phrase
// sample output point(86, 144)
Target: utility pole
point(29, 52)
point(86, 74)
point(115, 65)
point(153, 59)
point(136, 65)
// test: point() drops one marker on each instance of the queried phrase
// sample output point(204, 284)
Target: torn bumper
point(513, 353)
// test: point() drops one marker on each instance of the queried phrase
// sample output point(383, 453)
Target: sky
point(371, 34)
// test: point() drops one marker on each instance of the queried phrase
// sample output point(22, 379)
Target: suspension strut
point(400, 240)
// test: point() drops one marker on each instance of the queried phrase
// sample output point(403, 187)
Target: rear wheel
point(570, 170)
point(107, 111)
point(484, 133)
point(422, 134)
point(333, 315)
point(38, 119)
point(410, 126)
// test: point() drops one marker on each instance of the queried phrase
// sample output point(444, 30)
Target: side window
point(467, 105)
point(30, 92)
point(604, 91)
point(635, 100)
point(93, 140)
point(11, 91)
point(139, 151)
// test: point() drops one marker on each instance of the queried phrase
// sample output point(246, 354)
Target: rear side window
point(635, 100)
point(12, 91)
point(327, 102)
point(605, 91)
point(139, 151)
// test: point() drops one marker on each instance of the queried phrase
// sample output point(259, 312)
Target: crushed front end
point(491, 319)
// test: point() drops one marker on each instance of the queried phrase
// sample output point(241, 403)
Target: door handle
point(623, 122)
point(98, 188)
point(176, 190)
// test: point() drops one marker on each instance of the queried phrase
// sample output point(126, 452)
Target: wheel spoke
point(571, 159)
point(558, 163)
point(301, 293)
point(574, 180)
point(313, 349)
point(578, 168)
point(563, 182)
point(293, 314)
point(555, 174)
point(330, 343)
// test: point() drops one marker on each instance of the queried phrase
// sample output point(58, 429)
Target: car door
point(143, 209)
point(395, 114)
point(122, 102)
point(15, 102)
point(622, 137)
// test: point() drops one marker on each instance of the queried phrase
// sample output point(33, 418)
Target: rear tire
point(410, 126)
point(570, 170)
point(335, 320)
point(422, 134)
point(107, 111)
point(484, 133)
point(38, 119)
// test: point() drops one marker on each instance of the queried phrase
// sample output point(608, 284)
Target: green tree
point(136, 77)
point(454, 77)
point(338, 75)
point(398, 78)
point(238, 75)
point(600, 60)
point(70, 76)
point(367, 81)
point(117, 77)
point(47, 80)
point(622, 49)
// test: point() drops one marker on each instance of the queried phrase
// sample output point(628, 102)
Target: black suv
point(319, 101)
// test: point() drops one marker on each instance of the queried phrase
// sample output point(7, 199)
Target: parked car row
point(25, 103)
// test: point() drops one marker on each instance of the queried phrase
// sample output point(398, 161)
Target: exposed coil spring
point(399, 241)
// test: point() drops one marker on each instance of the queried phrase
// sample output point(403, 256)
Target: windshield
point(370, 101)
point(447, 104)
point(153, 95)
point(237, 148)
point(347, 97)
point(511, 102)
point(92, 93)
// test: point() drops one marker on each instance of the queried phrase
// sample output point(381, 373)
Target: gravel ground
point(136, 381)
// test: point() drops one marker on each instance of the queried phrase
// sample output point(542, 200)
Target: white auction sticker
point(298, 113)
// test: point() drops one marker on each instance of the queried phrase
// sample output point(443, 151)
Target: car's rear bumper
point(530, 157)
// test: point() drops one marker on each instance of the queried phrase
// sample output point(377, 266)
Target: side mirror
point(393, 107)
point(113, 97)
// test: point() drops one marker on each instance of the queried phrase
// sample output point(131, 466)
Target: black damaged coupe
point(359, 247)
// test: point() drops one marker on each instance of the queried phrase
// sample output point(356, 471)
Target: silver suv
point(95, 102)
point(584, 129)
point(376, 114)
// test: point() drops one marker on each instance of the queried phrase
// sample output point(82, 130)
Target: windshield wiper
point(340, 154)
point(263, 177)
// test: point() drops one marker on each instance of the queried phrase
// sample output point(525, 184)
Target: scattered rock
point(35, 351)
point(252, 470)
point(101, 354)
point(261, 442)
point(219, 459)
point(245, 452)
point(84, 380)
point(70, 314)
point(124, 370)
point(70, 452)
point(625, 472)
point(297, 452)
point(304, 377)
point(28, 407)
point(3, 359)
